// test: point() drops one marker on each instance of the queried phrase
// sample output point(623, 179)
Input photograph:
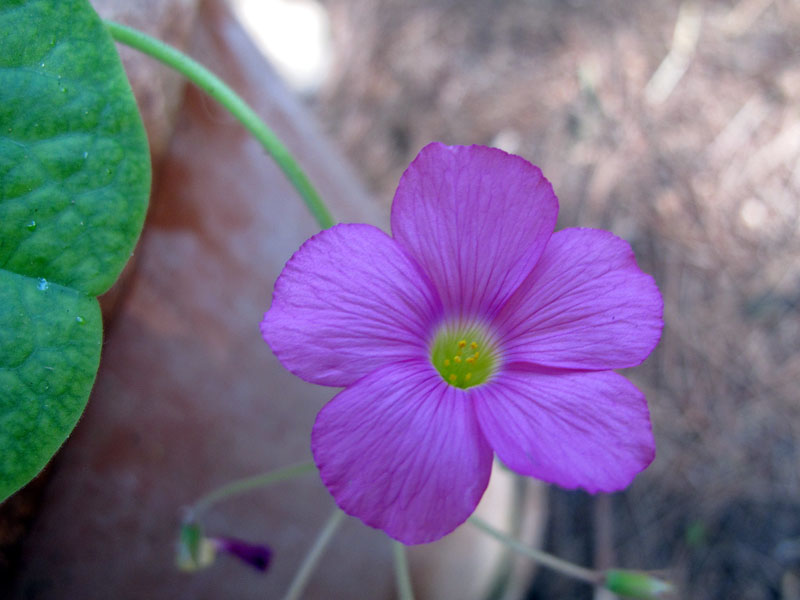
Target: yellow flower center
point(464, 357)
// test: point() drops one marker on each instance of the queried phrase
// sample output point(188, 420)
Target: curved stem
point(402, 575)
point(310, 561)
point(239, 486)
point(543, 558)
point(218, 90)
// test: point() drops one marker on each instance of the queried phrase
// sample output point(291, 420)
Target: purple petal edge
point(476, 220)
point(587, 430)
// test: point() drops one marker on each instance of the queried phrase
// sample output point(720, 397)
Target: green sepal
point(636, 584)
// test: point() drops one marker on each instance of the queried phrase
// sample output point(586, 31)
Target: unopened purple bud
point(257, 556)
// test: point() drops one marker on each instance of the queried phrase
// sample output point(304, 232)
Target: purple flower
point(473, 329)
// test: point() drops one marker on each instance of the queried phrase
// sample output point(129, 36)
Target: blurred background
point(675, 124)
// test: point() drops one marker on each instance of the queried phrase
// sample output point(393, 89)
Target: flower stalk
point(629, 584)
point(309, 563)
point(402, 575)
point(240, 486)
point(543, 558)
point(222, 93)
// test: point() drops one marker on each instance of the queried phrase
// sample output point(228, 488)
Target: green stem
point(543, 558)
point(218, 90)
point(310, 561)
point(249, 483)
point(505, 567)
point(402, 575)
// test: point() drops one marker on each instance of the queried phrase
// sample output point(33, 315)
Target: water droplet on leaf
point(43, 285)
point(80, 320)
point(31, 226)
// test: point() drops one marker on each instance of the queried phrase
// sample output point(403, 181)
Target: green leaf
point(74, 184)
point(50, 338)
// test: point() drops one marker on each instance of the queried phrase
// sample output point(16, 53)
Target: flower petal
point(476, 219)
point(348, 301)
point(589, 430)
point(402, 451)
point(586, 305)
point(257, 556)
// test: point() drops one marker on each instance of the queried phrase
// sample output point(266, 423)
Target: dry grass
point(699, 168)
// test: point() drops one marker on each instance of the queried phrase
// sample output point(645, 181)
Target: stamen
point(455, 355)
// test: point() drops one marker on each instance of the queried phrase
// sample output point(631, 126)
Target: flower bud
point(255, 555)
point(196, 551)
point(636, 584)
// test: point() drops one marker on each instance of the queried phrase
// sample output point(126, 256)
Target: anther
point(458, 359)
